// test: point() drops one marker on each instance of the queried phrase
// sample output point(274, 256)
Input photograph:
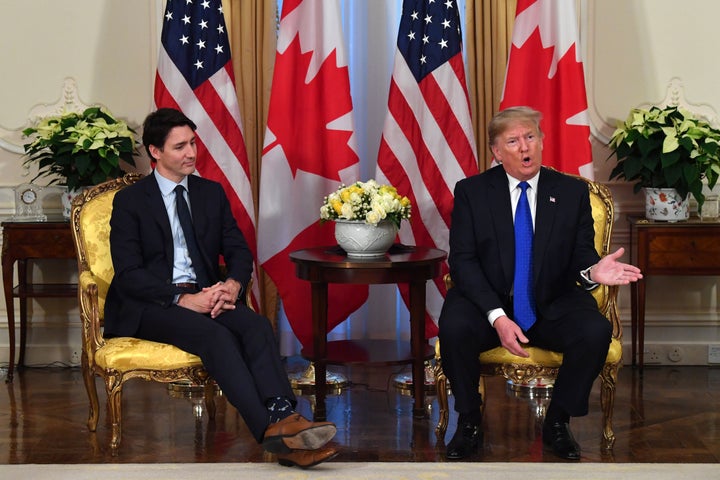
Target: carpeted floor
point(365, 471)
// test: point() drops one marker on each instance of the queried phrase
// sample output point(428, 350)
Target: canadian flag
point(545, 72)
point(309, 151)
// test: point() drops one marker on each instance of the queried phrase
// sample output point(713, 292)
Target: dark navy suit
point(482, 247)
point(238, 347)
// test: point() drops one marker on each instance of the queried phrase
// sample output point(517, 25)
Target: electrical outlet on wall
point(714, 353)
point(651, 356)
point(675, 354)
point(75, 356)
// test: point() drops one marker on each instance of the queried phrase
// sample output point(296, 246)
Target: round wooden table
point(402, 264)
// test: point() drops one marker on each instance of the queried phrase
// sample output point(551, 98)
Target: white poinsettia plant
point(667, 147)
point(80, 149)
point(367, 202)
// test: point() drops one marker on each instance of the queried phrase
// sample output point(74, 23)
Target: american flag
point(195, 75)
point(428, 143)
point(309, 151)
point(545, 72)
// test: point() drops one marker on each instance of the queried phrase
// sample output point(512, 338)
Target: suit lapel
point(156, 209)
point(545, 212)
point(501, 211)
point(197, 206)
point(198, 195)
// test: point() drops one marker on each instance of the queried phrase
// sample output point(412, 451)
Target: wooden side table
point(23, 241)
point(403, 264)
point(661, 248)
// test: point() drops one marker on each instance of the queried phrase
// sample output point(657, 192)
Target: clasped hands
point(608, 271)
point(214, 300)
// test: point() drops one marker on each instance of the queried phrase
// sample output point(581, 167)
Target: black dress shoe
point(465, 441)
point(559, 437)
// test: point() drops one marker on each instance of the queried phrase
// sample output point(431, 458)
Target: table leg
point(417, 345)
point(7, 270)
point(641, 322)
point(633, 321)
point(319, 315)
point(22, 286)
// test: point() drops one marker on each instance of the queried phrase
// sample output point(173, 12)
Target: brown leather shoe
point(297, 433)
point(306, 458)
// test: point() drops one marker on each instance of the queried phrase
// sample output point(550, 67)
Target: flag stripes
point(195, 75)
point(428, 142)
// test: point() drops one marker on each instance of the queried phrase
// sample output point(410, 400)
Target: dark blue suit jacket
point(142, 249)
point(482, 242)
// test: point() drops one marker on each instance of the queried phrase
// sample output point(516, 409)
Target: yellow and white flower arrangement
point(80, 149)
point(367, 202)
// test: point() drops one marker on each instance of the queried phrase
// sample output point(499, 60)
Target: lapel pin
point(552, 199)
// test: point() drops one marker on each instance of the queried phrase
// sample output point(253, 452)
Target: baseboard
point(674, 353)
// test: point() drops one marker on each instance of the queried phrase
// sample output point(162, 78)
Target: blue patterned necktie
point(523, 297)
point(183, 213)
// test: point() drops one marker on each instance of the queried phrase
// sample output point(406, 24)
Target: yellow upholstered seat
point(544, 363)
point(117, 360)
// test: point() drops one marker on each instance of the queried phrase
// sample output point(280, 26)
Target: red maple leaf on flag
point(545, 72)
point(309, 143)
point(555, 97)
point(309, 152)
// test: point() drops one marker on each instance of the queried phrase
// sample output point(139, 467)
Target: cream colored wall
point(109, 47)
point(633, 50)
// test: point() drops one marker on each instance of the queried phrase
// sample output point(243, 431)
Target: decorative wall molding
point(676, 96)
point(645, 83)
point(69, 101)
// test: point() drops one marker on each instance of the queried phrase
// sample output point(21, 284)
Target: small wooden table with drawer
point(690, 247)
point(23, 241)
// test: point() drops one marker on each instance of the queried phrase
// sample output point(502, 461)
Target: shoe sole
point(308, 439)
point(289, 463)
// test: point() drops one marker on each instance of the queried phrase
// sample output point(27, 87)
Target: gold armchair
point(545, 363)
point(117, 360)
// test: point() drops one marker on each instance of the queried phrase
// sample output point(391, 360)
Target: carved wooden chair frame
point(118, 360)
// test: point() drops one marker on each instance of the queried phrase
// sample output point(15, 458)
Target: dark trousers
point(237, 348)
point(582, 336)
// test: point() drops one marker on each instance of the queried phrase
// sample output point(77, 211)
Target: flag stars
point(428, 19)
point(184, 40)
point(203, 24)
point(449, 4)
point(443, 43)
point(426, 39)
point(423, 59)
point(169, 16)
point(446, 23)
point(411, 35)
point(186, 19)
point(414, 15)
point(198, 65)
point(200, 44)
point(220, 29)
point(219, 49)
point(188, 2)
point(206, 4)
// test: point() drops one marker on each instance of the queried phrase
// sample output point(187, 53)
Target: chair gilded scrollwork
point(117, 360)
point(544, 364)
